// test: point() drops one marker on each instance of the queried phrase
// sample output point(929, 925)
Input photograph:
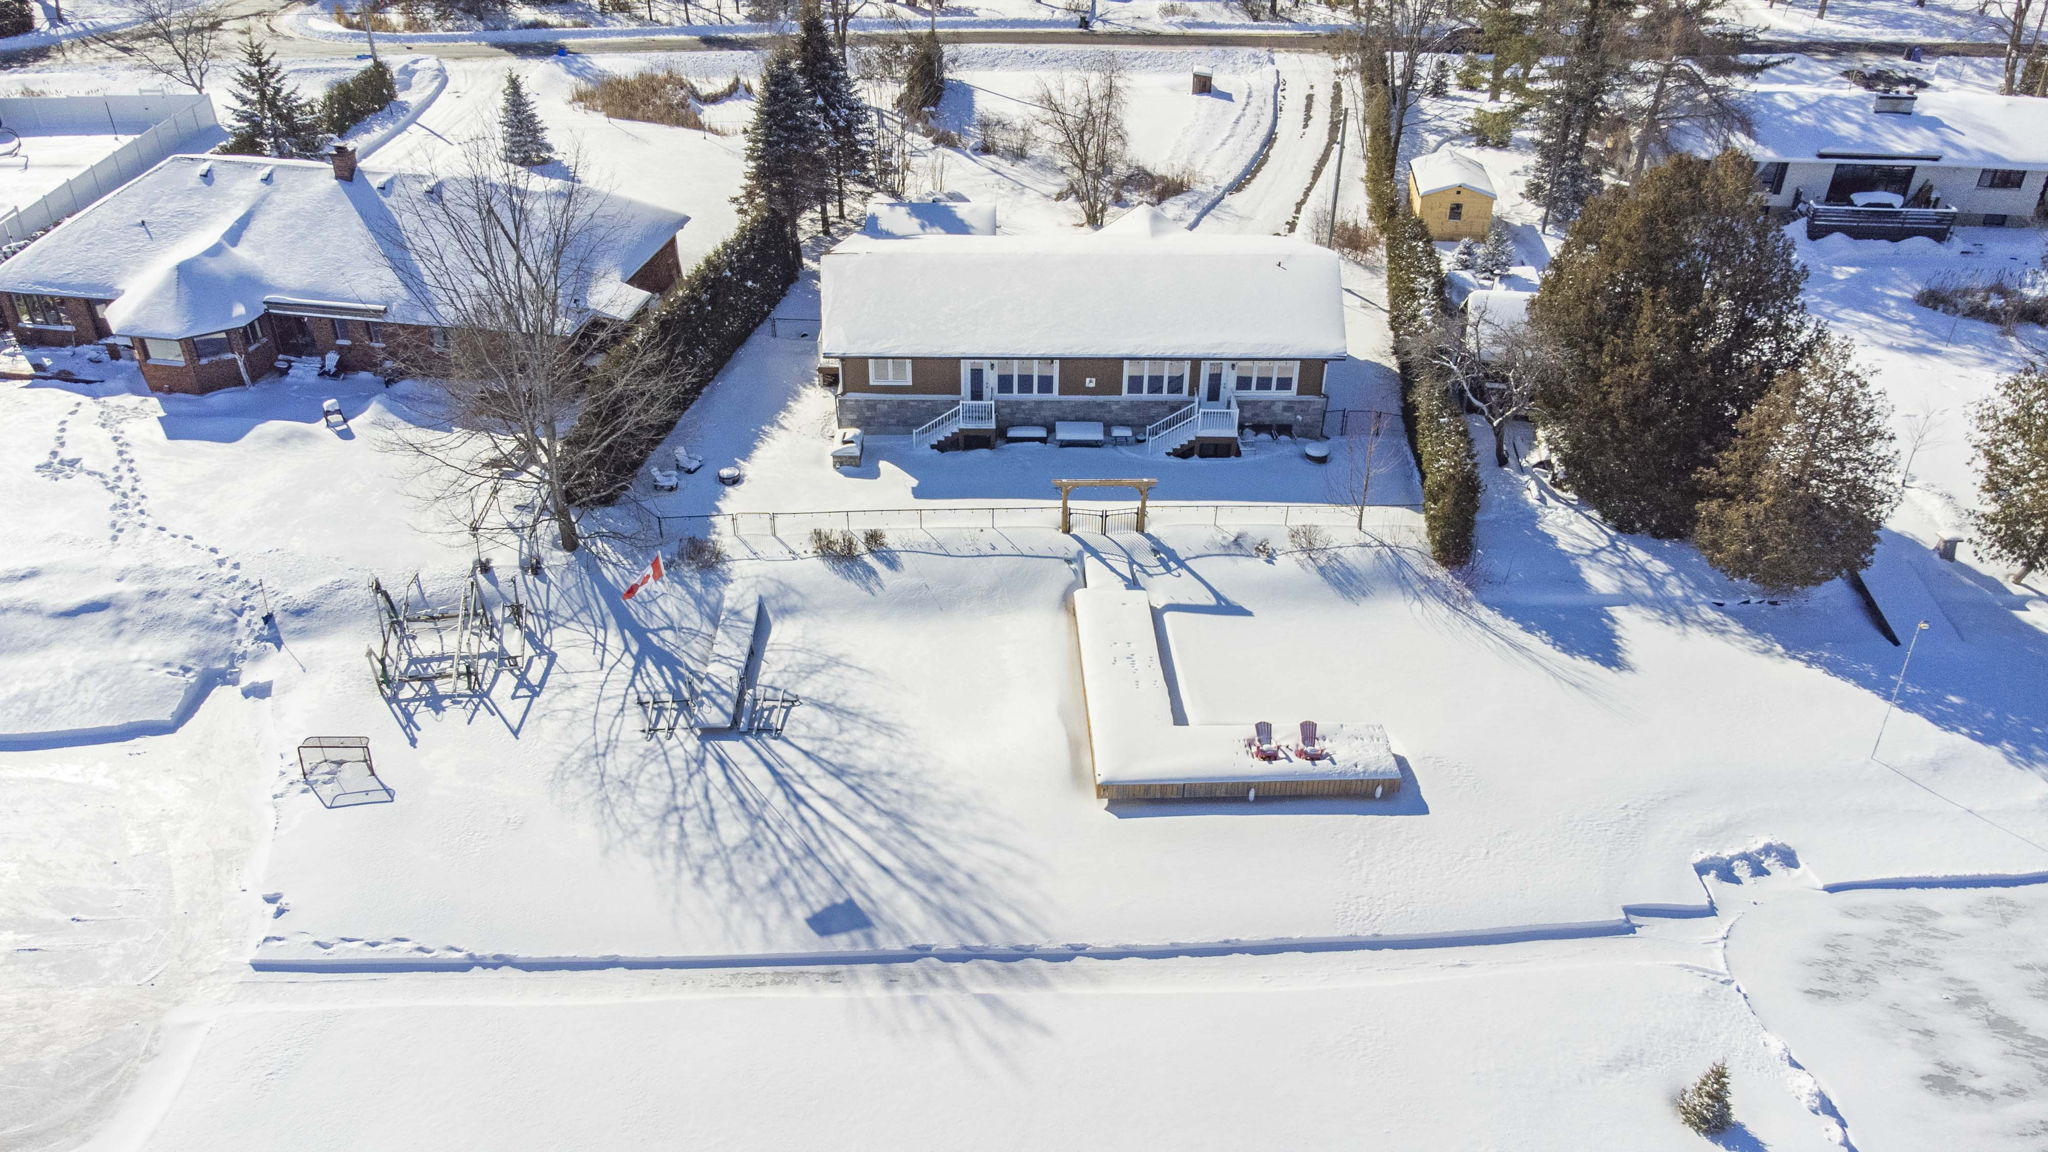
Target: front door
point(977, 380)
point(1215, 383)
point(294, 335)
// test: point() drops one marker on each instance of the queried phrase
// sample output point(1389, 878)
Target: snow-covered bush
point(874, 540)
point(836, 544)
point(357, 98)
point(1495, 127)
point(1437, 434)
point(701, 552)
point(1705, 1106)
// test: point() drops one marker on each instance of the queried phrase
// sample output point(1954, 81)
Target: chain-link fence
point(1379, 519)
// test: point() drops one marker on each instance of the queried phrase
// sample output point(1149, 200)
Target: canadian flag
point(650, 575)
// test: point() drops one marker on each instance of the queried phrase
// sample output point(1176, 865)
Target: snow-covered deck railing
point(977, 413)
point(1196, 420)
point(1874, 223)
point(1141, 754)
point(1217, 421)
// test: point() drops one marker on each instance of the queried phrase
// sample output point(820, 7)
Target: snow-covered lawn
point(1934, 20)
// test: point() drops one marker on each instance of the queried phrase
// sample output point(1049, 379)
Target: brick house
point(1183, 338)
point(207, 269)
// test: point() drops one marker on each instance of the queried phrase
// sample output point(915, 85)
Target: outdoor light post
point(1897, 685)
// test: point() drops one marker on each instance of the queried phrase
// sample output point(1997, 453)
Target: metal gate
point(1107, 521)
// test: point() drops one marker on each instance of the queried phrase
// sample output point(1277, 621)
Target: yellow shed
point(1450, 192)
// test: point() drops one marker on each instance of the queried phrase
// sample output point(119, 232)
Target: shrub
point(874, 540)
point(1472, 76)
point(945, 138)
point(16, 17)
point(695, 329)
point(1704, 1106)
point(1001, 136)
point(1174, 10)
point(1995, 299)
point(655, 96)
point(1309, 539)
point(356, 99)
point(701, 552)
point(836, 544)
point(1495, 127)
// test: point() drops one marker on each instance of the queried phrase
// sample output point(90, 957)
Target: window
point(160, 351)
point(1027, 377)
point(1994, 220)
point(1264, 375)
point(1155, 377)
point(1770, 178)
point(373, 331)
point(252, 334)
point(2001, 178)
point(211, 345)
point(892, 373)
point(41, 311)
point(1457, 209)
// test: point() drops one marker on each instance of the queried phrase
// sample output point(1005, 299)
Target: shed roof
point(1448, 168)
point(197, 243)
point(1141, 287)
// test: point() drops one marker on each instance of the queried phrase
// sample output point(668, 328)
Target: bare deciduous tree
point(2022, 43)
point(1084, 127)
point(1388, 41)
point(173, 40)
point(1690, 73)
point(1492, 366)
point(505, 261)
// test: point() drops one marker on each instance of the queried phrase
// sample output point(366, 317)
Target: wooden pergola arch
point(1066, 487)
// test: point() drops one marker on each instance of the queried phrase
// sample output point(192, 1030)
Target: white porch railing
point(966, 414)
point(1195, 420)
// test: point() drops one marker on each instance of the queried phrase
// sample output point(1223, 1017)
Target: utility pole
point(1336, 179)
point(368, 12)
point(1897, 685)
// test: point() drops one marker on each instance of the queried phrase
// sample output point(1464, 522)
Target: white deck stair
point(968, 414)
point(1176, 431)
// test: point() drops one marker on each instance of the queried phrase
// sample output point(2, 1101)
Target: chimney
point(344, 159)
point(1897, 103)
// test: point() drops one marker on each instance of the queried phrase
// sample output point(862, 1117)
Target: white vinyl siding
point(889, 373)
point(1155, 377)
point(1027, 377)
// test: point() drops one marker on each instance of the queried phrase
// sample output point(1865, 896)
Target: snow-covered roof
point(198, 243)
point(1496, 314)
point(1141, 287)
point(1448, 168)
point(901, 219)
point(1968, 129)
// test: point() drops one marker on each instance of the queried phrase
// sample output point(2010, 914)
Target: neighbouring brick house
point(207, 269)
point(1183, 338)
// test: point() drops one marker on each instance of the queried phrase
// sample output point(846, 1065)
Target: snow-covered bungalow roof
point(903, 219)
point(1966, 129)
point(202, 244)
point(1448, 168)
point(1141, 287)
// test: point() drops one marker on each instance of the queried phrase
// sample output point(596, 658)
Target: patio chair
point(1263, 747)
point(1309, 748)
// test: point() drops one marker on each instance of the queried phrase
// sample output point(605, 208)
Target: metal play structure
point(464, 643)
point(338, 770)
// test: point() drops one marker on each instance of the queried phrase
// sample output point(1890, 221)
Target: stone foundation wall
point(901, 415)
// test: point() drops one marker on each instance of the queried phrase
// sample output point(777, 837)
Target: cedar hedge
point(1437, 433)
point(692, 331)
point(356, 99)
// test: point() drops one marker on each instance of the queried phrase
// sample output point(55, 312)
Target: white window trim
point(995, 370)
point(1142, 368)
point(149, 351)
point(875, 377)
point(1230, 371)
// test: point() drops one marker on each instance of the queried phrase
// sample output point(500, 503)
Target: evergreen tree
point(1439, 78)
point(1465, 257)
point(1497, 255)
point(16, 18)
point(1566, 171)
point(270, 117)
point(1506, 35)
point(1705, 1106)
point(1797, 497)
point(2010, 434)
point(786, 147)
point(924, 80)
point(844, 115)
point(1672, 306)
point(523, 139)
